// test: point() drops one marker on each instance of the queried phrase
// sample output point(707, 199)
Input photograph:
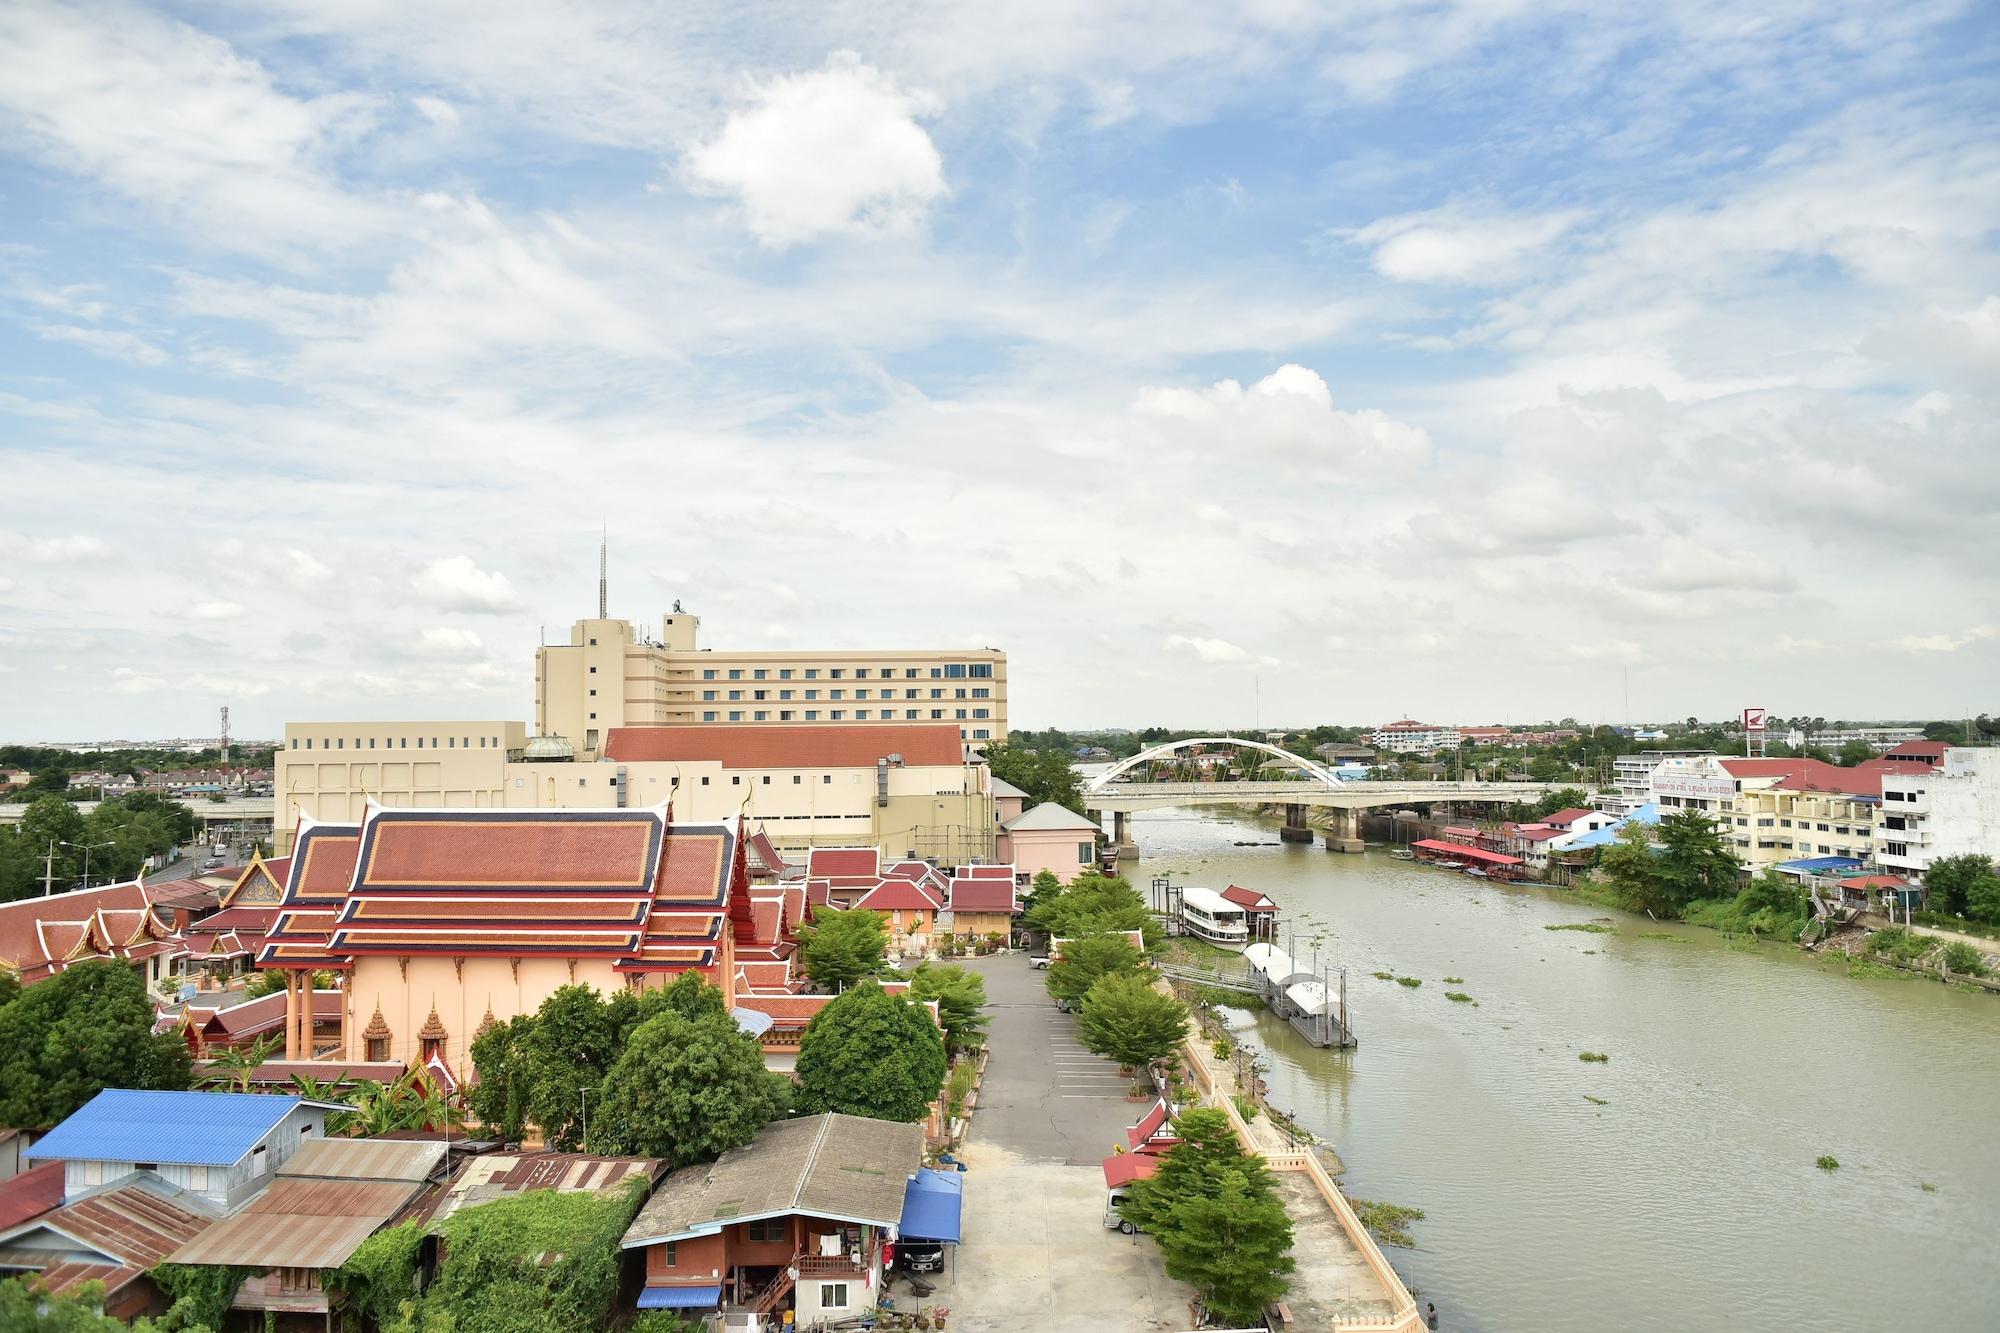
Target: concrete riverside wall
point(1405, 1317)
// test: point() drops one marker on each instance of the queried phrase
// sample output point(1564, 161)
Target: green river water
point(1691, 1199)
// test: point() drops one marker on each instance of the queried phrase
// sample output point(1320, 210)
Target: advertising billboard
point(1753, 719)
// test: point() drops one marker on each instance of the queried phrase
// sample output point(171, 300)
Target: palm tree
point(235, 1064)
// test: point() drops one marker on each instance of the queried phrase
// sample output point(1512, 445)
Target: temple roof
point(39, 937)
point(625, 885)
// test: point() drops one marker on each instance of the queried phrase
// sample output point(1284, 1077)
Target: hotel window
point(812, 673)
point(839, 714)
point(958, 693)
point(937, 694)
point(758, 694)
point(979, 712)
point(812, 694)
point(759, 673)
point(935, 713)
point(342, 743)
point(708, 673)
point(955, 670)
point(593, 694)
point(861, 673)
point(826, 779)
point(784, 694)
point(704, 779)
point(958, 712)
point(859, 694)
point(837, 673)
point(707, 717)
point(735, 715)
point(708, 694)
point(593, 671)
point(836, 694)
point(860, 715)
point(767, 779)
point(736, 694)
point(910, 714)
point(909, 694)
point(909, 673)
point(735, 779)
point(784, 673)
point(736, 673)
point(937, 673)
point(982, 669)
point(812, 714)
point(784, 715)
point(761, 716)
point(796, 779)
point(981, 734)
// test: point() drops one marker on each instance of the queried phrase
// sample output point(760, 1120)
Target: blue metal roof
point(680, 1298)
point(931, 1205)
point(196, 1128)
point(1649, 813)
point(1815, 864)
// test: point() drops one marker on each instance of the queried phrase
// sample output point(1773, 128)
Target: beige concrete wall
point(328, 770)
point(461, 994)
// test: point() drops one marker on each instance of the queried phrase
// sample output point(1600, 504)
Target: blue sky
point(1454, 358)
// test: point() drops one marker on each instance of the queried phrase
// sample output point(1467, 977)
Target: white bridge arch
point(1315, 771)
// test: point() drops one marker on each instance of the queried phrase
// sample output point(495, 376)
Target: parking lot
point(1036, 1253)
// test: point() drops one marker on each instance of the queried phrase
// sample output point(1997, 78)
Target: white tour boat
point(1210, 916)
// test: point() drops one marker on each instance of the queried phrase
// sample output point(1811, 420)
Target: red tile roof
point(1564, 818)
point(934, 744)
point(1123, 1168)
point(1931, 750)
point(982, 893)
point(1875, 882)
point(1471, 853)
point(41, 936)
point(898, 895)
point(1814, 774)
point(1249, 899)
point(843, 863)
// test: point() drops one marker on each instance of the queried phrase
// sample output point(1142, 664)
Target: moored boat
point(1207, 915)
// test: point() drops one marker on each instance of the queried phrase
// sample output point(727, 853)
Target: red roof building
point(1562, 819)
point(919, 745)
point(39, 937)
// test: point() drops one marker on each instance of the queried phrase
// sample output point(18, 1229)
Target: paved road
point(1037, 1255)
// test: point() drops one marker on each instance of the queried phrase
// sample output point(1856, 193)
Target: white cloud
point(1450, 245)
point(1943, 643)
point(1218, 652)
point(301, 569)
point(113, 344)
point(1289, 413)
point(446, 641)
point(74, 549)
point(217, 610)
point(124, 680)
point(437, 111)
point(838, 149)
point(457, 584)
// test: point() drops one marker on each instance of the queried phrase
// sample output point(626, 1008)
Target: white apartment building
point(1953, 811)
point(1413, 737)
point(1632, 776)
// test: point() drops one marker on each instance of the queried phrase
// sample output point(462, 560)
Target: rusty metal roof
point(301, 1224)
point(364, 1159)
point(501, 1175)
point(139, 1221)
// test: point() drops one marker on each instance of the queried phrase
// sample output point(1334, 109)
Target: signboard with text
point(1753, 719)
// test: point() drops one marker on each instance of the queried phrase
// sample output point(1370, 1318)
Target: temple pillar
point(291, 1015)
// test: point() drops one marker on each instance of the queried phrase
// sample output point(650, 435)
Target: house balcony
point(833, 1265)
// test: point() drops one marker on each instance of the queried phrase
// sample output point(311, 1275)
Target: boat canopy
point(1209, 902)
point(1310, 998)
point(1269, 959)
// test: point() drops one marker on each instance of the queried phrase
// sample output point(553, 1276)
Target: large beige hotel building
point(854, 748)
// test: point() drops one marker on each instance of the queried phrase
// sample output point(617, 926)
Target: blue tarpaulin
point(680, 1298)
point(931, 1205)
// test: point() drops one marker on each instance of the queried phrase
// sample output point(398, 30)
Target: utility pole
point(49, 869)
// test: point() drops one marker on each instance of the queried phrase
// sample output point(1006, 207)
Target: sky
point(1277, 363)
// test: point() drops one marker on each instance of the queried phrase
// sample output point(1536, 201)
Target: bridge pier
point(1121, 836)
point(1296, 829)
point(1345, 835)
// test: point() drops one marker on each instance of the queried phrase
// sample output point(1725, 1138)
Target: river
point(1690, 1199)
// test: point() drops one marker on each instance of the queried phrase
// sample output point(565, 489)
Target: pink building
point(1050, 837)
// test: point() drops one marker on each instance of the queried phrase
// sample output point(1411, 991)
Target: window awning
point(680, 1298)
point(931, 1205)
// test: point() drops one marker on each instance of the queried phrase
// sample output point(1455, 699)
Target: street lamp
point(86, 848)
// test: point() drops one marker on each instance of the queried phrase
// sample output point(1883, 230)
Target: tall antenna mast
point(602, 545)
point(225, 734)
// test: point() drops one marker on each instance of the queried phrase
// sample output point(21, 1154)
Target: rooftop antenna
point(603, 544)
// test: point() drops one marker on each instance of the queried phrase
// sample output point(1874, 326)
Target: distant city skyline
point(1296, 363)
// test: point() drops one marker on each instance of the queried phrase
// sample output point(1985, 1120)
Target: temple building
point(442, 922)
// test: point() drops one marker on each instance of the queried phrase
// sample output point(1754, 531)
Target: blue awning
point(1813, 865)
point(680, 1298)
point(931, 1204)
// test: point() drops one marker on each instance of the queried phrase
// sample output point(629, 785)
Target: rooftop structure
point(111, 1235)
point(504, 1175)
point(41, 936)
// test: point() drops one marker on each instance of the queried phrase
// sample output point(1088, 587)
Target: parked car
point(920, 1256)
point(1038, 962)
point(1112, 1219)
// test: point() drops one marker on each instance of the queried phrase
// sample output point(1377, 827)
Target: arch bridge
point(1315, 787)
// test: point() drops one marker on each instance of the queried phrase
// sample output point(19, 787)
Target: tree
point(1084, 959)
point(1091, 904)
point(961, 1001)
point(1233, 1246)
point(840, 948)
point(1547, 768)
point(1982, 900)
point(64, 1040)
point(1208, 1149)
point(1856, 752)
point(499, 1099)
point(1046, 774)
point(1695, 862)
point(871, 1053)
point(1129, 1020)
point(235, 1064)
point(25, 1309)
point(49, 822)
point(1562, 798)
point(1630, 864)
point(562, 1058)
point(1949, 881)
point(686, 1090)
point(1046, 886)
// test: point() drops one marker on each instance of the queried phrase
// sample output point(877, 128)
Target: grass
point(1587, 927)
point(1667, 935)
point(1458, 997)
point(1869, 970)
point(1384, 976)
point(1411, 982)
point(1245, 1107)
point(1226, 999)
point(1828, 1162)
point(1593, 1057)
point(1453, 981)
point(1597, 1101)
point(1389, 1221)
point(1927, 1187)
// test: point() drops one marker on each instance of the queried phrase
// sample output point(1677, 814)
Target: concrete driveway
point(1036, 1254)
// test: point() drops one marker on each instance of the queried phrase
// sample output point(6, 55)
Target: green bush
point(1457, 997)
point(1593, 1057)
point(1964, 959)
point(1828, 1162)
point(1411, 982)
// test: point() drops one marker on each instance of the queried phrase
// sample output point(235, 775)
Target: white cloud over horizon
point(333, 336)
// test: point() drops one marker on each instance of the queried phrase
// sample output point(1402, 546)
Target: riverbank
point(1548, 1181)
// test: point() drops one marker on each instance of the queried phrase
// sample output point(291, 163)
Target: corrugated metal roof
point(364, 1159)
point(493, 1176)
point(301, 1224)
point(197, 1128)
point(830, 1165)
